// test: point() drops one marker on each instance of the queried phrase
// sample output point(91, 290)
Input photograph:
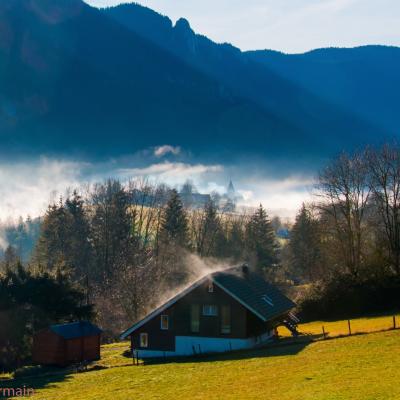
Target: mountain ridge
point(113, 81)
point(248, 74)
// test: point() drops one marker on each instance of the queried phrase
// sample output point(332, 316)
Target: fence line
point(350, 332)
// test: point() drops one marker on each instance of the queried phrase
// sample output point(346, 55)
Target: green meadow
point(359, 367)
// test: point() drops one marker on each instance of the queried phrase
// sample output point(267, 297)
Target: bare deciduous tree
point(344, 189)
point(385, 185)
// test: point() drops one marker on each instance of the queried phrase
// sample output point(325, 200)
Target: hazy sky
point(286, 25)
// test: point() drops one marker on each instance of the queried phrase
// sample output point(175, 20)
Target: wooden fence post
point(323, 332)
point(394, 322)
point(348, 323)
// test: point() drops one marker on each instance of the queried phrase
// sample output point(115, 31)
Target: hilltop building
point(226, 202)
point(191, 198)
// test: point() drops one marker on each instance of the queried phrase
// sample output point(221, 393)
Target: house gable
point(180, 322)
point(163, 307)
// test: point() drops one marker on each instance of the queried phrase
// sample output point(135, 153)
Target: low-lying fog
point(27, 187)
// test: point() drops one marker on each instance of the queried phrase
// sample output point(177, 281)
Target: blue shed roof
point(76, 329)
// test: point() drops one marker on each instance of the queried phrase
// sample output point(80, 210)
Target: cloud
point(161, 151)
point(169, 170)
point(27, 187)
point(281, 197)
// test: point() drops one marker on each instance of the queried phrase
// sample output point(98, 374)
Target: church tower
point(231, 191)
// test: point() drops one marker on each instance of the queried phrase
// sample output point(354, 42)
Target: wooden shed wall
point(82, 349)
point(48, 348)
point(51, 349)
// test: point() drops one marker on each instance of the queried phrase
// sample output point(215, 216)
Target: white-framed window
point(164, 322)
point(210, 287)
point(144, 340)
point(210, 310)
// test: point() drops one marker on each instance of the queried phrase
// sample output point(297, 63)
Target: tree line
point(124, 247)
point(117, 250)
point(348, 240)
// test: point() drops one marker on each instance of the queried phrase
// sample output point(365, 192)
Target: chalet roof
point(254, 292)
point(247, 287)
point(75, 330)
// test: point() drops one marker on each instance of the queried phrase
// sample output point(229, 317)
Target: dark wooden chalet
point(226, 310)
point(67, 344)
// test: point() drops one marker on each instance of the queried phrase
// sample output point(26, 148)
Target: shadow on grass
point(42, 380)
point(281, 347)
point(34, 382)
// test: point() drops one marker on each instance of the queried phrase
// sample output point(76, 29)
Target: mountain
point(72, 79)
point(365, 80)
point(102, 83)
point(330, 92)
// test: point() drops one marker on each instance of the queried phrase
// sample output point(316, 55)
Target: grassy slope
point(357, 368)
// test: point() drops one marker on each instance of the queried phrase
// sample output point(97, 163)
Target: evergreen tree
point(236, 240)
point(52, 249)
point(64, 239)
point(174, 228)
point(261, 243)
point(29, 302)
point(174, 239)
point(111, 230)
point(11, 258)
point(304, 246)
point(79, 255)
point(210, 239)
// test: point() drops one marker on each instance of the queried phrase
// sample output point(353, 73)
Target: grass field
point(365, 367)
point(338, 328)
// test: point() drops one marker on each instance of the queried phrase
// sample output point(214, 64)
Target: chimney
point(245, 269)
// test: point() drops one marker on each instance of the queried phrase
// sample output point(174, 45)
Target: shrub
point(344, 297)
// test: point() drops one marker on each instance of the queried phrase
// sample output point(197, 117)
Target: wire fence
point(331, 329)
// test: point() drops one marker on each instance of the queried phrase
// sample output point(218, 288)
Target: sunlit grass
point(337, 328)
point(114, 355)
point(358, 368)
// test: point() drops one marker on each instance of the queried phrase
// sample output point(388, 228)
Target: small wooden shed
point(67, 344)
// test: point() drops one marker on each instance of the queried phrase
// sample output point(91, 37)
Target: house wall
point(194, 345)
point(254, 325)
point(242, 326)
